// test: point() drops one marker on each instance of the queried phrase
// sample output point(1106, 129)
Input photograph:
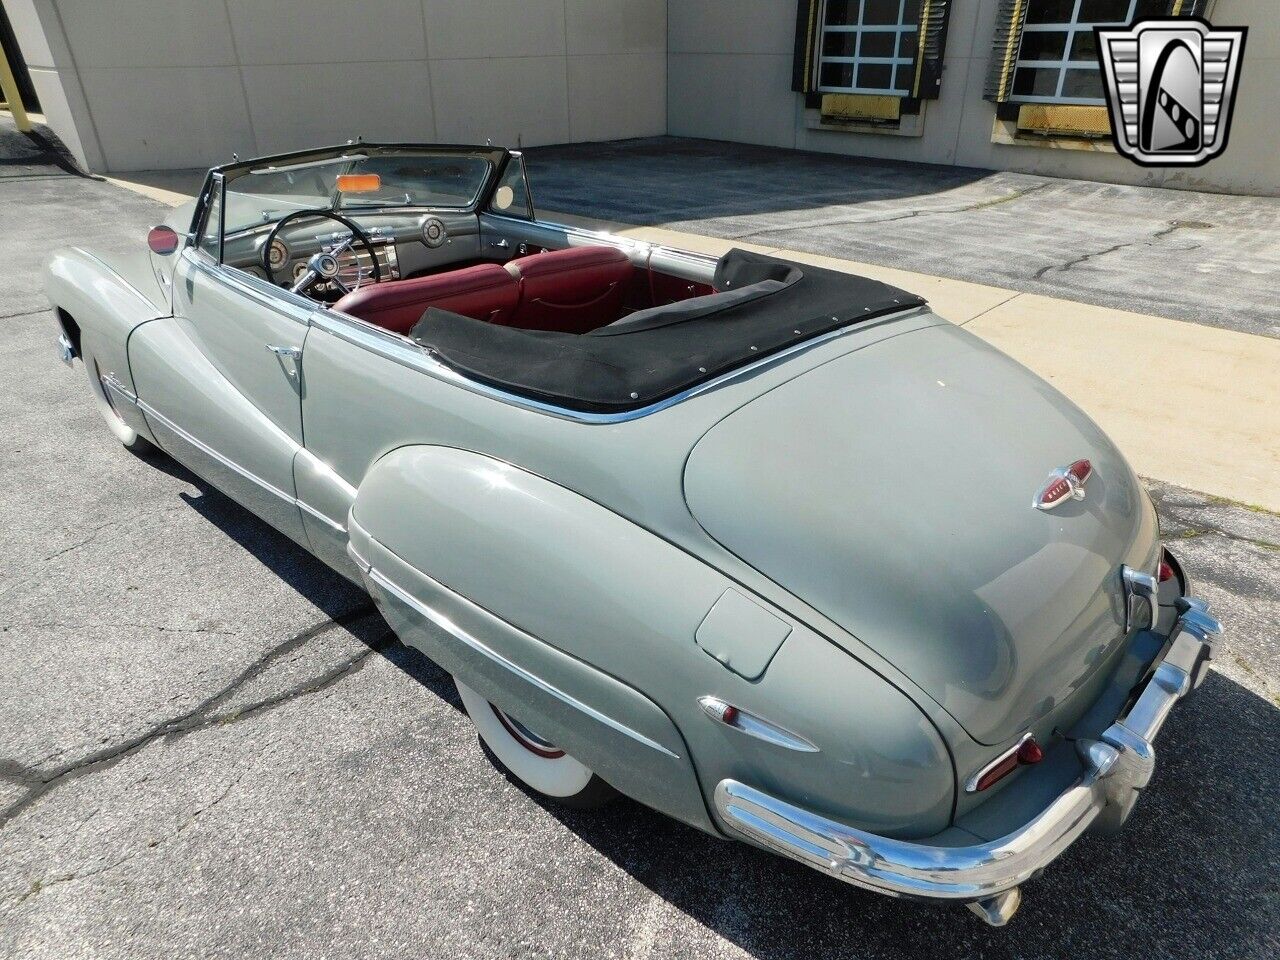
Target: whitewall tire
point(529, 758)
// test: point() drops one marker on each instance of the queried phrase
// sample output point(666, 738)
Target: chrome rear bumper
point(986, 876)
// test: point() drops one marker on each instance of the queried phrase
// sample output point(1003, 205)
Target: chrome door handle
point(500, 244)
point(292, 354)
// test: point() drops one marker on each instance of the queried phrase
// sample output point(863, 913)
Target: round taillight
point(162, 240)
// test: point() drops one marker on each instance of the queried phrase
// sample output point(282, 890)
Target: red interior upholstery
point(571, 290)
point(484, 292)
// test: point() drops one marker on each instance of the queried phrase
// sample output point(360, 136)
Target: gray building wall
point(729, 78)
point(142, 84)
point(154, 84)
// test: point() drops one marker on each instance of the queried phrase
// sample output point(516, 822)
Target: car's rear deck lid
point(658, 353)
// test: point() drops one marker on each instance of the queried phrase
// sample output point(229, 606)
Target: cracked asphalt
point(1203, 257)
point(211, 746)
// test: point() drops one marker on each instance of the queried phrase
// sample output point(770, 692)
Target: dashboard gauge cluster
point(278, 254)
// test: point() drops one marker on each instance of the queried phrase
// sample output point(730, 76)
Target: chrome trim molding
point(1115, 768)
point(204, 448)
point(66, 350)
point(322, 517)
point(120, 390)
point(754, 726)
point(971, 785)
point(454, 630)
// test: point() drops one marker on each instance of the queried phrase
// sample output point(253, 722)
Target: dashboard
point(405, 244)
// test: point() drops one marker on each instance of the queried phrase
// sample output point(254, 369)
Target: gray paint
point(896, 495)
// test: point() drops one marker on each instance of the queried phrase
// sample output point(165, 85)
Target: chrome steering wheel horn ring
point(312, 275)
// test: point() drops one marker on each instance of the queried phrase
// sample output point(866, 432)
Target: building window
point(868, 46)
point(1058, 56)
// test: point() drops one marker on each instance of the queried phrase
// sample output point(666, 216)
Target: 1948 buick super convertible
point(772, 549)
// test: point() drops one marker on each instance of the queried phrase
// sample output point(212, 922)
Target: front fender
point(98, 301)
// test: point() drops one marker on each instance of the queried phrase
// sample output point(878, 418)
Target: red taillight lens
point(998, 772)
point(1081, 470)
point(1166, 571)
point(162, 240)
point(1025, 754)
point(1029, 752)
point(1056, 491)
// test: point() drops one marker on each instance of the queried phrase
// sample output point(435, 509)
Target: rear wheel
point(530, 759)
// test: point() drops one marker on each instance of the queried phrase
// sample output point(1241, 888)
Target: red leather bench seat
point(572, 291)
point(482, 292)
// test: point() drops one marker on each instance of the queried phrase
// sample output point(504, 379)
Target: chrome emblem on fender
point(1065, 483)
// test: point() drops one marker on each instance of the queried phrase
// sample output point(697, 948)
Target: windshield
point(406, 179)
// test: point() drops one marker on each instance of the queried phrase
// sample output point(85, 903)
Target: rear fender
point(496, 575)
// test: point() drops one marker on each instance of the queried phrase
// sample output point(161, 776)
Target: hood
point(891, 489)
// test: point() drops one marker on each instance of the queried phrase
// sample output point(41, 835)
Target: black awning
point(629, 365)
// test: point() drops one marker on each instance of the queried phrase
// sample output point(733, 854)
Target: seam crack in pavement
point(1159, 234)
point(39, 885)
point(201, 717)
point(909, 215)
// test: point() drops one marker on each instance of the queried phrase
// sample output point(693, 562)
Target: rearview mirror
point(162, 240)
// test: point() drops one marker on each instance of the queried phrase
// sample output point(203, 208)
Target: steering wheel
point(323, 265)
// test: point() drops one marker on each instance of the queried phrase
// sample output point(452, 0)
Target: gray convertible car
point(772, 549)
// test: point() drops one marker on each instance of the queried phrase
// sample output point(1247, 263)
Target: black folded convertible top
point(654, 354)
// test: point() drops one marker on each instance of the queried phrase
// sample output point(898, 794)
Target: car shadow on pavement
point(1193, 873)
point(330, 592)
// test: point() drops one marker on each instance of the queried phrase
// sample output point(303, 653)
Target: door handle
point(292, 354)
point(500, 244)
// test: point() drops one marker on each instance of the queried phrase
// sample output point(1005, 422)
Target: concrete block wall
point(153, 84)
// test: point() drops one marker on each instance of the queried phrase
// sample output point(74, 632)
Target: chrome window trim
point(281, 300)
point(457, 632)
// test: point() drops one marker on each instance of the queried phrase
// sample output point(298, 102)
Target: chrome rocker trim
point(986, 876)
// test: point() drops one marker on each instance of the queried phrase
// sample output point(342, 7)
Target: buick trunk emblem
point(1065, 483)
point(1171, 85)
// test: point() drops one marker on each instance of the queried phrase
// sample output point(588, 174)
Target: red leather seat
point(573, 290)
point(483, 292)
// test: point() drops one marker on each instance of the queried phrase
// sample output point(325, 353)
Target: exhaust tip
point(998, 910)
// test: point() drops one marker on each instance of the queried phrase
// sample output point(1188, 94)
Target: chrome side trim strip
point(322, 517)
point(203, 447)
point(455, 631)
point(120, 390)
point(1115, 769)
point(407, 353)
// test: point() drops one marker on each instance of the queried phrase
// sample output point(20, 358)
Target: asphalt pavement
point(1201, 257)
point(211, 746)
